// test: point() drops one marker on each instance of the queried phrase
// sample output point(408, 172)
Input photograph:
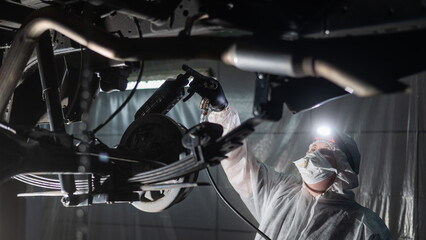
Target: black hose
point(123, 104)
point(233, 209)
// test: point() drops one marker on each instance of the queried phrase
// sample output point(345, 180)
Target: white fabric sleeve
point(239, 165)
point(258, 185)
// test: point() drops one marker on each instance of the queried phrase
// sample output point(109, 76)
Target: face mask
point(314, 168)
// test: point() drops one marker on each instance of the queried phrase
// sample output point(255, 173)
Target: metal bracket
point(268, 102)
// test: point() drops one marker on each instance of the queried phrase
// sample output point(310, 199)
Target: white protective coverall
point(285, 209)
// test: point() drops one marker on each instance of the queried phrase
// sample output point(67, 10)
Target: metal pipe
point(282, 57)
point(50, 85)
point(345, 80)
point(290, 59)
point(98, 41)
point(50, 82)
point(252, 57)
point(67, 183)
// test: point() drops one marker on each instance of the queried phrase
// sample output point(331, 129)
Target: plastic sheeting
point(389, 129)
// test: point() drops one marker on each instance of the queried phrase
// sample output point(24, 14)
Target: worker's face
point(317, 146)
point(325, 150)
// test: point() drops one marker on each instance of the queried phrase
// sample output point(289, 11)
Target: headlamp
point(343, 142)
point(324, 133)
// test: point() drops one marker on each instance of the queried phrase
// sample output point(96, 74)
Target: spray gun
point(166, 97)
point(204, 106)
point(206, 87)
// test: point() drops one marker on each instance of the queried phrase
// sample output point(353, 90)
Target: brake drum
point(158, 138)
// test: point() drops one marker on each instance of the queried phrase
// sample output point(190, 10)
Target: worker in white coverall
point(320, 207)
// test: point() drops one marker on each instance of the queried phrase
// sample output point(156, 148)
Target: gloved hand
point(208, 88)
point(213, 92)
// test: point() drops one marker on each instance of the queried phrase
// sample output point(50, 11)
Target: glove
point(211, 90)
point(207, 87)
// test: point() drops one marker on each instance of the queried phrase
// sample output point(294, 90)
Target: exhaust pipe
point(292, 62)
point(335, 60)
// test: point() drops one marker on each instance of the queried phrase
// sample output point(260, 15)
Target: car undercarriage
point(57, 55)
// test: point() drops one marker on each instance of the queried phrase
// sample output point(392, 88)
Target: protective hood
point(346, 178)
